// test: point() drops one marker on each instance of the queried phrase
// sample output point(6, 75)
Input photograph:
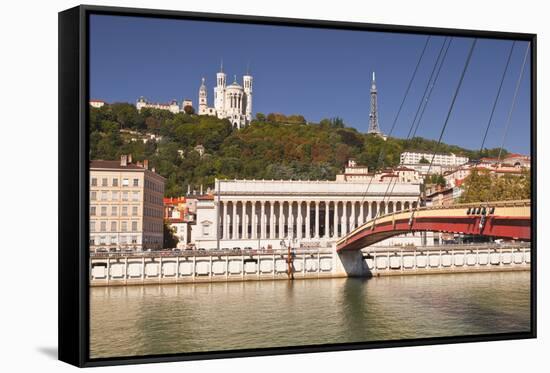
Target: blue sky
point(318, 73)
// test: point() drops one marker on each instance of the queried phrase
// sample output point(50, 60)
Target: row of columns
point(285, 219)
point(235, 100)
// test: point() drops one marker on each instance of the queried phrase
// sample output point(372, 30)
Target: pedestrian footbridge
point(506, 219)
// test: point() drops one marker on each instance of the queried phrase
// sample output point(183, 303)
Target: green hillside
point(274, 146)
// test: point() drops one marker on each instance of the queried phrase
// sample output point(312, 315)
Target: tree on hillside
point(170, 240)
point(435, 179)
point(335, 122)
point(481, 186)
point(189, 110)
point(423, 161)
point(126, 115)
point(260, 117)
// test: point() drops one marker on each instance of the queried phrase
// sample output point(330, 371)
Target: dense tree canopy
point(481, 186)
point(274, 146)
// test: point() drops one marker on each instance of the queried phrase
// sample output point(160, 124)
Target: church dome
point(234, 85)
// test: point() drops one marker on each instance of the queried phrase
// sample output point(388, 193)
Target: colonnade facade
point(242, 219)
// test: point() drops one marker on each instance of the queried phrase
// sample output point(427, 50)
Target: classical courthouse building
point(232, 102)
point(126, 209)
point(261, 213)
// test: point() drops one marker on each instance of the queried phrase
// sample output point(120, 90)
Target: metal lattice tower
point(373, 116)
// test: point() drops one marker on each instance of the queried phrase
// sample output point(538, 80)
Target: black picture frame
point(73, 301)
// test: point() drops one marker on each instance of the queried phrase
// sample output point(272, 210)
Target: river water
point(151, 319)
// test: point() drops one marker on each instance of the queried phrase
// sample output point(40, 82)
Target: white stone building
point(97, 103)
point(172, 106)
point(261, 213)
point(423, 169)
point(232, 102)
point(410, 158)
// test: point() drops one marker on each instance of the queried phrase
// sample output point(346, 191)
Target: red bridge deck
point(511, 220)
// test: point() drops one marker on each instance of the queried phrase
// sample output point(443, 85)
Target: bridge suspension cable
point(507, 65)
point(382, 150)
point(422, 104)
point(466, 64)
point(429, 85)
point(514, 100)
point(431, 89)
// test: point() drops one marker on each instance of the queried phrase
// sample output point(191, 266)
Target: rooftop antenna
point(221, 65)
point(235, 78)
point(248, 68)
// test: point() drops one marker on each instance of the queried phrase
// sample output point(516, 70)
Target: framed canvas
point(234, 186)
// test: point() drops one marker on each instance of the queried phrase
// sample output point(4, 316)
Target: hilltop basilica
point(232, 102)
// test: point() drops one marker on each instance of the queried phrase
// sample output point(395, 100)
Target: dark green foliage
point(275, 146)
point(189, 110)
point(435, 179)
point(170, 240)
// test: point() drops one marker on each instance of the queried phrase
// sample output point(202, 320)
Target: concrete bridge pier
point(350, 263)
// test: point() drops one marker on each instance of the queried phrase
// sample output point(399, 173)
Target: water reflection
point(138, 320)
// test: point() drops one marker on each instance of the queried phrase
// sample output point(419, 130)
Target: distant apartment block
point(451, 159)
point(126, 206)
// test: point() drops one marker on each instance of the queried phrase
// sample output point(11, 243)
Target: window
point(125, 196)
point(92, 241)
point(134, 226)
point(104, 181)
point(92, 210)
point(134, 239)
point(94, 181)
point(113, 240)
point(102, 240)
point(113, 226)
point(114, 211)
point(122, 240)
point(134, 210)
point(115, 182)
point(124, 210)
point(136, 182)
point(125, 182)
point(114, 195)
point(206, 229)
point(103, 226)
point(135, 196)
point(124, 226)
point(93, 196)
point(104, 196)
point(92, 226)
point(103, 210)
